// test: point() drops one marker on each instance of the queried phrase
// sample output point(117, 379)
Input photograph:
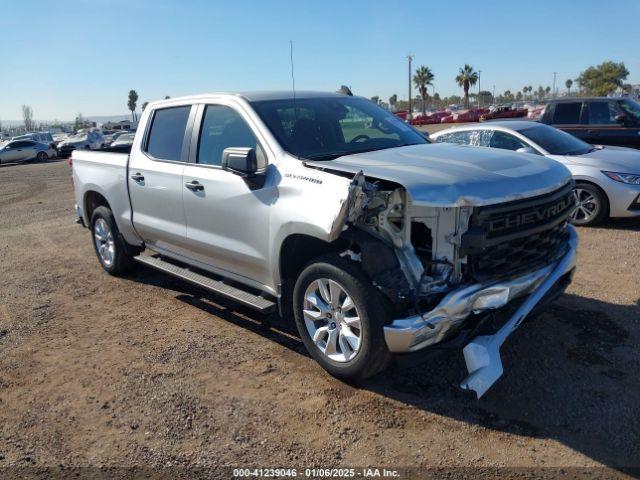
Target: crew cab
point(341, 216)
point(597, 120)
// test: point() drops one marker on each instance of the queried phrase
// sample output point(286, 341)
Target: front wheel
point(42, 157)
point(591, 205)
point(340, 317)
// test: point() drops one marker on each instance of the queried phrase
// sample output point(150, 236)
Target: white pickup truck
point(327, 207)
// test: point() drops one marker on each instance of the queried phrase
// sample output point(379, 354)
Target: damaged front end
point(442, 267)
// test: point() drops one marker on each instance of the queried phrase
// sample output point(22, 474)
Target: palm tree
point(131, 103)
point(530, 94)
point(525, 89)
point(466, 78)
point(568, 84)
point(422, 79)
point(547, 90)
point(393, 99)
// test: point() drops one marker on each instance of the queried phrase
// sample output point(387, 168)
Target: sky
point(83, 56)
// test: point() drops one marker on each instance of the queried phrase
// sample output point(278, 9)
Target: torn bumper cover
point(482, 355)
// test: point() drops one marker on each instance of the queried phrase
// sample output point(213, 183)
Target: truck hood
point(446, 175)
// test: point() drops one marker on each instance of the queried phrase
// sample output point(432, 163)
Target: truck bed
point(104, 172)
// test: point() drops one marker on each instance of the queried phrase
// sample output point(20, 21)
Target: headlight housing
point(628, 178)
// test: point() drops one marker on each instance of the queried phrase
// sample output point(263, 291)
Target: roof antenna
point(293, 78)
point(293, 82)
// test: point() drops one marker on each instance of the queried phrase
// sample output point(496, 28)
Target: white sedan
point(607, 178)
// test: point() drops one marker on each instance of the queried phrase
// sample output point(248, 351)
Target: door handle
point(194, 185)
point(138, 177)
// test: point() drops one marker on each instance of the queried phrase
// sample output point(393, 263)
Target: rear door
point(227, 215)
point(155, 179)
point(568, 116)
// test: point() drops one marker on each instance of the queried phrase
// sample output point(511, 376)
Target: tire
point(592, 206)
point(343, 361)
point(42, 157)
point(113, 253)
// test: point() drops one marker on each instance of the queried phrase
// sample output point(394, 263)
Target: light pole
point(494, 94)
point(410, 57)
point(479, 72)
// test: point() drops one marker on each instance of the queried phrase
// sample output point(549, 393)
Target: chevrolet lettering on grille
point(538, 215)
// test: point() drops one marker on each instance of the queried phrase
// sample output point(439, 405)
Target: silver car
point(607, 178)
point(23, 150)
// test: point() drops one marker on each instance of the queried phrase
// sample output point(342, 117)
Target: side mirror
point(239, 160)
point(527, 150)
point(621, 119)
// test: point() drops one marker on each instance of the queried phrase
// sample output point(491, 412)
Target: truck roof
point(255, 96)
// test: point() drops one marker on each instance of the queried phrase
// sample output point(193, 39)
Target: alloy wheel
point(332, 320)
point(103, 238)
point(587, 205)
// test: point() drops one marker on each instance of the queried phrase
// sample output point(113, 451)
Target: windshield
point(555, 141)
point(631, 108)
point(324, 128)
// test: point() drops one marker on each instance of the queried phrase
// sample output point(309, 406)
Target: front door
point(227, 216)
point(155, 180)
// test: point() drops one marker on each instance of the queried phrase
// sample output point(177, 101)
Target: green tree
point(568, 84)
point(603, 79)
point(132, 102)
point(547, 90)
point(486, 97)
point(144, 105)
point(518, 96)
point(393, 99)
point(375, 99)
point(530, 94)
point(79, 122)
point(467, 77)
point(540, 92)
point(422, 79)
point(167, 97)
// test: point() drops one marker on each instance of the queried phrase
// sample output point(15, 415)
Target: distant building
point(121, 125)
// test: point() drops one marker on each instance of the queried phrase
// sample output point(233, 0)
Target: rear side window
point(602, 113)
point(166, 135)
point(460, 138)
point(567, 113)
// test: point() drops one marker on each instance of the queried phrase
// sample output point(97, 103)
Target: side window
point(567, 113)
point(222, 127)
point(483, 138)
point(460, 138)
point(443, 138)
point(505, 141)
point(602, 113)
point(167, 133)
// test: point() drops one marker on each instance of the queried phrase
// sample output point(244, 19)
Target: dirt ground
point(147, 370)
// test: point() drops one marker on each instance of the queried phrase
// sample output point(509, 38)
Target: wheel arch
point(93, 199)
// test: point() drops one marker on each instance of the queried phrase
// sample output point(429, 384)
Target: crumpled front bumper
point(482, 355)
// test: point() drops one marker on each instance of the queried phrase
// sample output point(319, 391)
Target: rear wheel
point(114, 254)
point(42, 157)
point(340, 317)
point(592, 205)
